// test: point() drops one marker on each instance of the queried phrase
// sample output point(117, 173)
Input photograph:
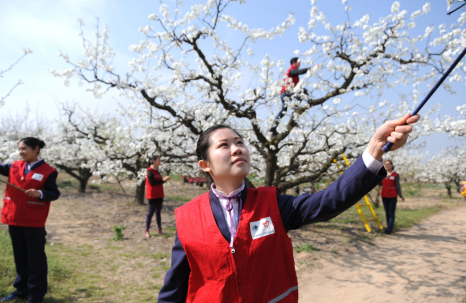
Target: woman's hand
point(403, 198)
point(33, 193)
point(166, 178)
point(391, 131)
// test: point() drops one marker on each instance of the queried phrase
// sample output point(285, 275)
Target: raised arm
point(296, 72)
point(359, 179)
point(5, 169)
point(348, 189)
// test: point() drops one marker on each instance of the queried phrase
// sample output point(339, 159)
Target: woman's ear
point(36, 149)
point(204, 165)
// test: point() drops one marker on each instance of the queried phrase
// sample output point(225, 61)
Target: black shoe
point(387, 231)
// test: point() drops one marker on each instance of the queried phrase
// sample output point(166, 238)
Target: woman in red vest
point(232, 244)
point(391, 189)
point(154, 194)
point(25, 212)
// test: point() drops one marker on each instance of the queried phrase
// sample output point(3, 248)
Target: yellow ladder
point(358, 206)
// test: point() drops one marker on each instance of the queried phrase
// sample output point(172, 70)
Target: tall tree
point(205, 70)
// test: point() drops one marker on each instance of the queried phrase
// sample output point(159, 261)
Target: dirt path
point(426, 263)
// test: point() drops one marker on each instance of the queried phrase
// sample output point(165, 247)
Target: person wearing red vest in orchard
point(154, 194)
point(288, 89)
point(391, 189)
point(231, 243)
point(25, 212)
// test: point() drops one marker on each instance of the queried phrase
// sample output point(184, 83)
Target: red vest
point(261, 269)
point(288, 85)
point(389, 187)
point(154, 191)
point(20, 209)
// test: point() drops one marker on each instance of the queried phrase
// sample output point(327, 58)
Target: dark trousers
point(30, 260)
point(155, 206)
point(283, 109)
point(389, 204)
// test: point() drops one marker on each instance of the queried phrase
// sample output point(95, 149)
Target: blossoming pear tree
point(192, 75)
point(26, 51)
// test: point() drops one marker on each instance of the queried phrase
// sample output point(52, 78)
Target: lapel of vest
point(217, 210)
point(22, 169)
point(26, 171)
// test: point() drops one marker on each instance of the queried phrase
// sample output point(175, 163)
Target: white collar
point(33, 163)
point(222, 194)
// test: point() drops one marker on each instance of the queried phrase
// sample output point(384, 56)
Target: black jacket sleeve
point(296, 72)
point(5, 169)
point(175, 287)
point(348, 189)
point(50, 191)
point(152, 180)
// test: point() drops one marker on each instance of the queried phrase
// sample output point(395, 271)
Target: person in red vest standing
point(391, 189)
point(291, 81)
point(25, 212)
point(154, 194)
point(231, 243)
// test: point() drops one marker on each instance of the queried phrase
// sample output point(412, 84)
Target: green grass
point(405, 218)
point(308, 247)
point(182, 198)
point(67, 183)
point(84, 274)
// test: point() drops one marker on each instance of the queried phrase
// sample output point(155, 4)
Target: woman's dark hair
point(203, 144)
point(33, 142)
point(294, 60)
point(153, 158)
point(393, 166)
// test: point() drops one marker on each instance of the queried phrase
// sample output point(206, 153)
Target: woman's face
point(388, 166)
point(228, 156)
point(27, 153)
point(157, 162)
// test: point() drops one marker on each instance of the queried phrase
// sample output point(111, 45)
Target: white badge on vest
point(37, 177)
point(263, 227)
point(392, 178)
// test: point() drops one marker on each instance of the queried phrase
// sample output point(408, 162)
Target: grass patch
point(84, 274)
point(67, 183)
point(308, 247)
point(405, 218)
point(181, 198)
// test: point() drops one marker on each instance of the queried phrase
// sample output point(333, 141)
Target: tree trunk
point(458, 185)
point(448, 186)
point(84, 175)
point(270, 168)
point(140, 189)
point(140, 193)
point(377, 197)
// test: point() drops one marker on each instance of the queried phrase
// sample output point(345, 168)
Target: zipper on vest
point(237, 279)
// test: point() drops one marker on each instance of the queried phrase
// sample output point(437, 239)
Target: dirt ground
point(426, 263)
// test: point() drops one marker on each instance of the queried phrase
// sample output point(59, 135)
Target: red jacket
point(20, 209)
point(261, 268)
point(154, 191)
point(389, 186)
point(294, 80)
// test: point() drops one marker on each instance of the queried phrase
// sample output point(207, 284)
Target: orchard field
point(143, 82)
point(86, 266)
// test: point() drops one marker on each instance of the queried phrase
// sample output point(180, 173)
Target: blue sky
point(48, 27)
